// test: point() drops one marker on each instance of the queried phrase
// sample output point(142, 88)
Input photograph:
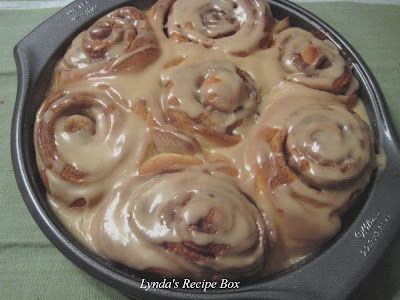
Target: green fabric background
point(32, 268)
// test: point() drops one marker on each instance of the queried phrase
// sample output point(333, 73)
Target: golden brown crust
point(222, 164)
point(166, 140)
point(340, 85)
point(276, 139)
point(167, 162)
point(199, 125)
point(174, 142)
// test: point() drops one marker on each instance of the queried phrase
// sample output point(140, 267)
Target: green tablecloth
point(31, 267)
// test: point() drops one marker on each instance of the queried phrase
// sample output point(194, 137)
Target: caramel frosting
point(121, 40)
point(313, 158)
point(234, 26)
point(214, 153)
point(216, 98)
point(314, 62)
point(187, 223)
point(81, 139)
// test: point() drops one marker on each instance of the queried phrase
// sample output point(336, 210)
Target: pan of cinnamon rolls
point(210, 140)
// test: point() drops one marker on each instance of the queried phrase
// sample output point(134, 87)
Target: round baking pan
point(333, 272)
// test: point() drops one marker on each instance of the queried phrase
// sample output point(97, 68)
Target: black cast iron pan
point(332, 273)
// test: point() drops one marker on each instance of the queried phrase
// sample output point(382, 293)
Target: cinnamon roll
point(81, 138)
point(209, 100)
point(313, 158)
point(237, 27)
point(183, 224)
point(121, 40)
point(314, 62)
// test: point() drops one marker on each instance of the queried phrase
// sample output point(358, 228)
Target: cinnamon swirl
point(237, 27)
point(314, 62)
point(81, 138)
point(209, 100)
point(313, 158)
point(121, 40)
point(184, 224)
